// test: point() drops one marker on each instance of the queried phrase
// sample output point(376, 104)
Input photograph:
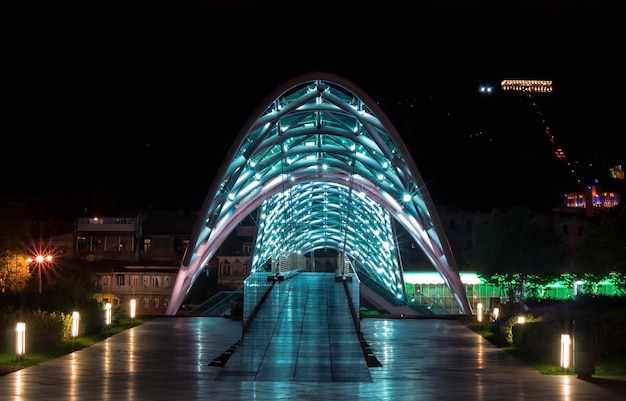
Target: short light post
point(479, 313)
point(566, 349)
point(107, 314)
point(75, 320)
point(20, 341)
point(133, 307)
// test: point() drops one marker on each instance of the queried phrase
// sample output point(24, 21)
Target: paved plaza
point(169, 359)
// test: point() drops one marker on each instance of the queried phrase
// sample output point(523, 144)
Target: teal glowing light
point(324, 168)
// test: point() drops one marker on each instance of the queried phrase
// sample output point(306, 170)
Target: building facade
point(128, 261)
point(137, 258)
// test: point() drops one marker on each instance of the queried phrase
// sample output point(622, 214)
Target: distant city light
point(527, 85)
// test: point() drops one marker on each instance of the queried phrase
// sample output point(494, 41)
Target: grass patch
point(611, 365)
point(9, 362)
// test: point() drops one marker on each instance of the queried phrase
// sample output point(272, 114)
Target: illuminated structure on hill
point(527, 85)
point(590, 196)
point(326, 170)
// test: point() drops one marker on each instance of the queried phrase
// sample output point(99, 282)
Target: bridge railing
point(219, 304)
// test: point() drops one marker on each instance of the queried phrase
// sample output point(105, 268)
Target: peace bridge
point(325, 170)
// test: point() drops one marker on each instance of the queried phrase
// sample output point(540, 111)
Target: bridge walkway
point(303, 332)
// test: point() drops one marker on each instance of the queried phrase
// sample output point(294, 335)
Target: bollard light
point(479, 312)
point(496, 312)
point(20, 340)
point(133, 306)
point(107, 314)
point(75, 318)
point(566, 348)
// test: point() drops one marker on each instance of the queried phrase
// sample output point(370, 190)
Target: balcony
point(111, 224)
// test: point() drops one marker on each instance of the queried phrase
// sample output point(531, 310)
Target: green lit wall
point(428, 289)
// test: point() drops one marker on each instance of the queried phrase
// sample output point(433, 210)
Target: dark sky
point(140, 100)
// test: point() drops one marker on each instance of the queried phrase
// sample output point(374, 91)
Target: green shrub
point(540, 339)
point(43, 329)
point(46, 329)
point(91, 318)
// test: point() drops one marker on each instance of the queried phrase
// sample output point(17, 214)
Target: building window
point(247, 248)
point(155, 281)
point(155, 303)
point(147, 243)
point(144, 303)
point(166, 281)
point(119, 280)
point(82, 244)
point(237, 268)
point(146, 281)
point(226, 268)
point(97, 243)
point(166, 302)
point(105, 280)
point(246, 267)
point(134, 281)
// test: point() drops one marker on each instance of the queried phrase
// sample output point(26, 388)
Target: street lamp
point(40, 260)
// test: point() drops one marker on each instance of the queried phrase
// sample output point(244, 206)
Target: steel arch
point(328, 169)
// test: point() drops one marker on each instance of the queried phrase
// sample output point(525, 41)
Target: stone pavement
point(169, 358)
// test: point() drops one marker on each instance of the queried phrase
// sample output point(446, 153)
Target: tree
point(15, 227)
point(513, 251)
point(601, 252)
point(70, 287)
point(14, 271)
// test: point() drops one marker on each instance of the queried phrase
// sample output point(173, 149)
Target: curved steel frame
point(328, 170)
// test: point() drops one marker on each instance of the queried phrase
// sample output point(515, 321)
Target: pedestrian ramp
point(303, 331)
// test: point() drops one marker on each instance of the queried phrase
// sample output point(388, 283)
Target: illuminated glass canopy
point(327, 170)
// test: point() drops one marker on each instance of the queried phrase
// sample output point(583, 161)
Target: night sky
point(140, 101)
